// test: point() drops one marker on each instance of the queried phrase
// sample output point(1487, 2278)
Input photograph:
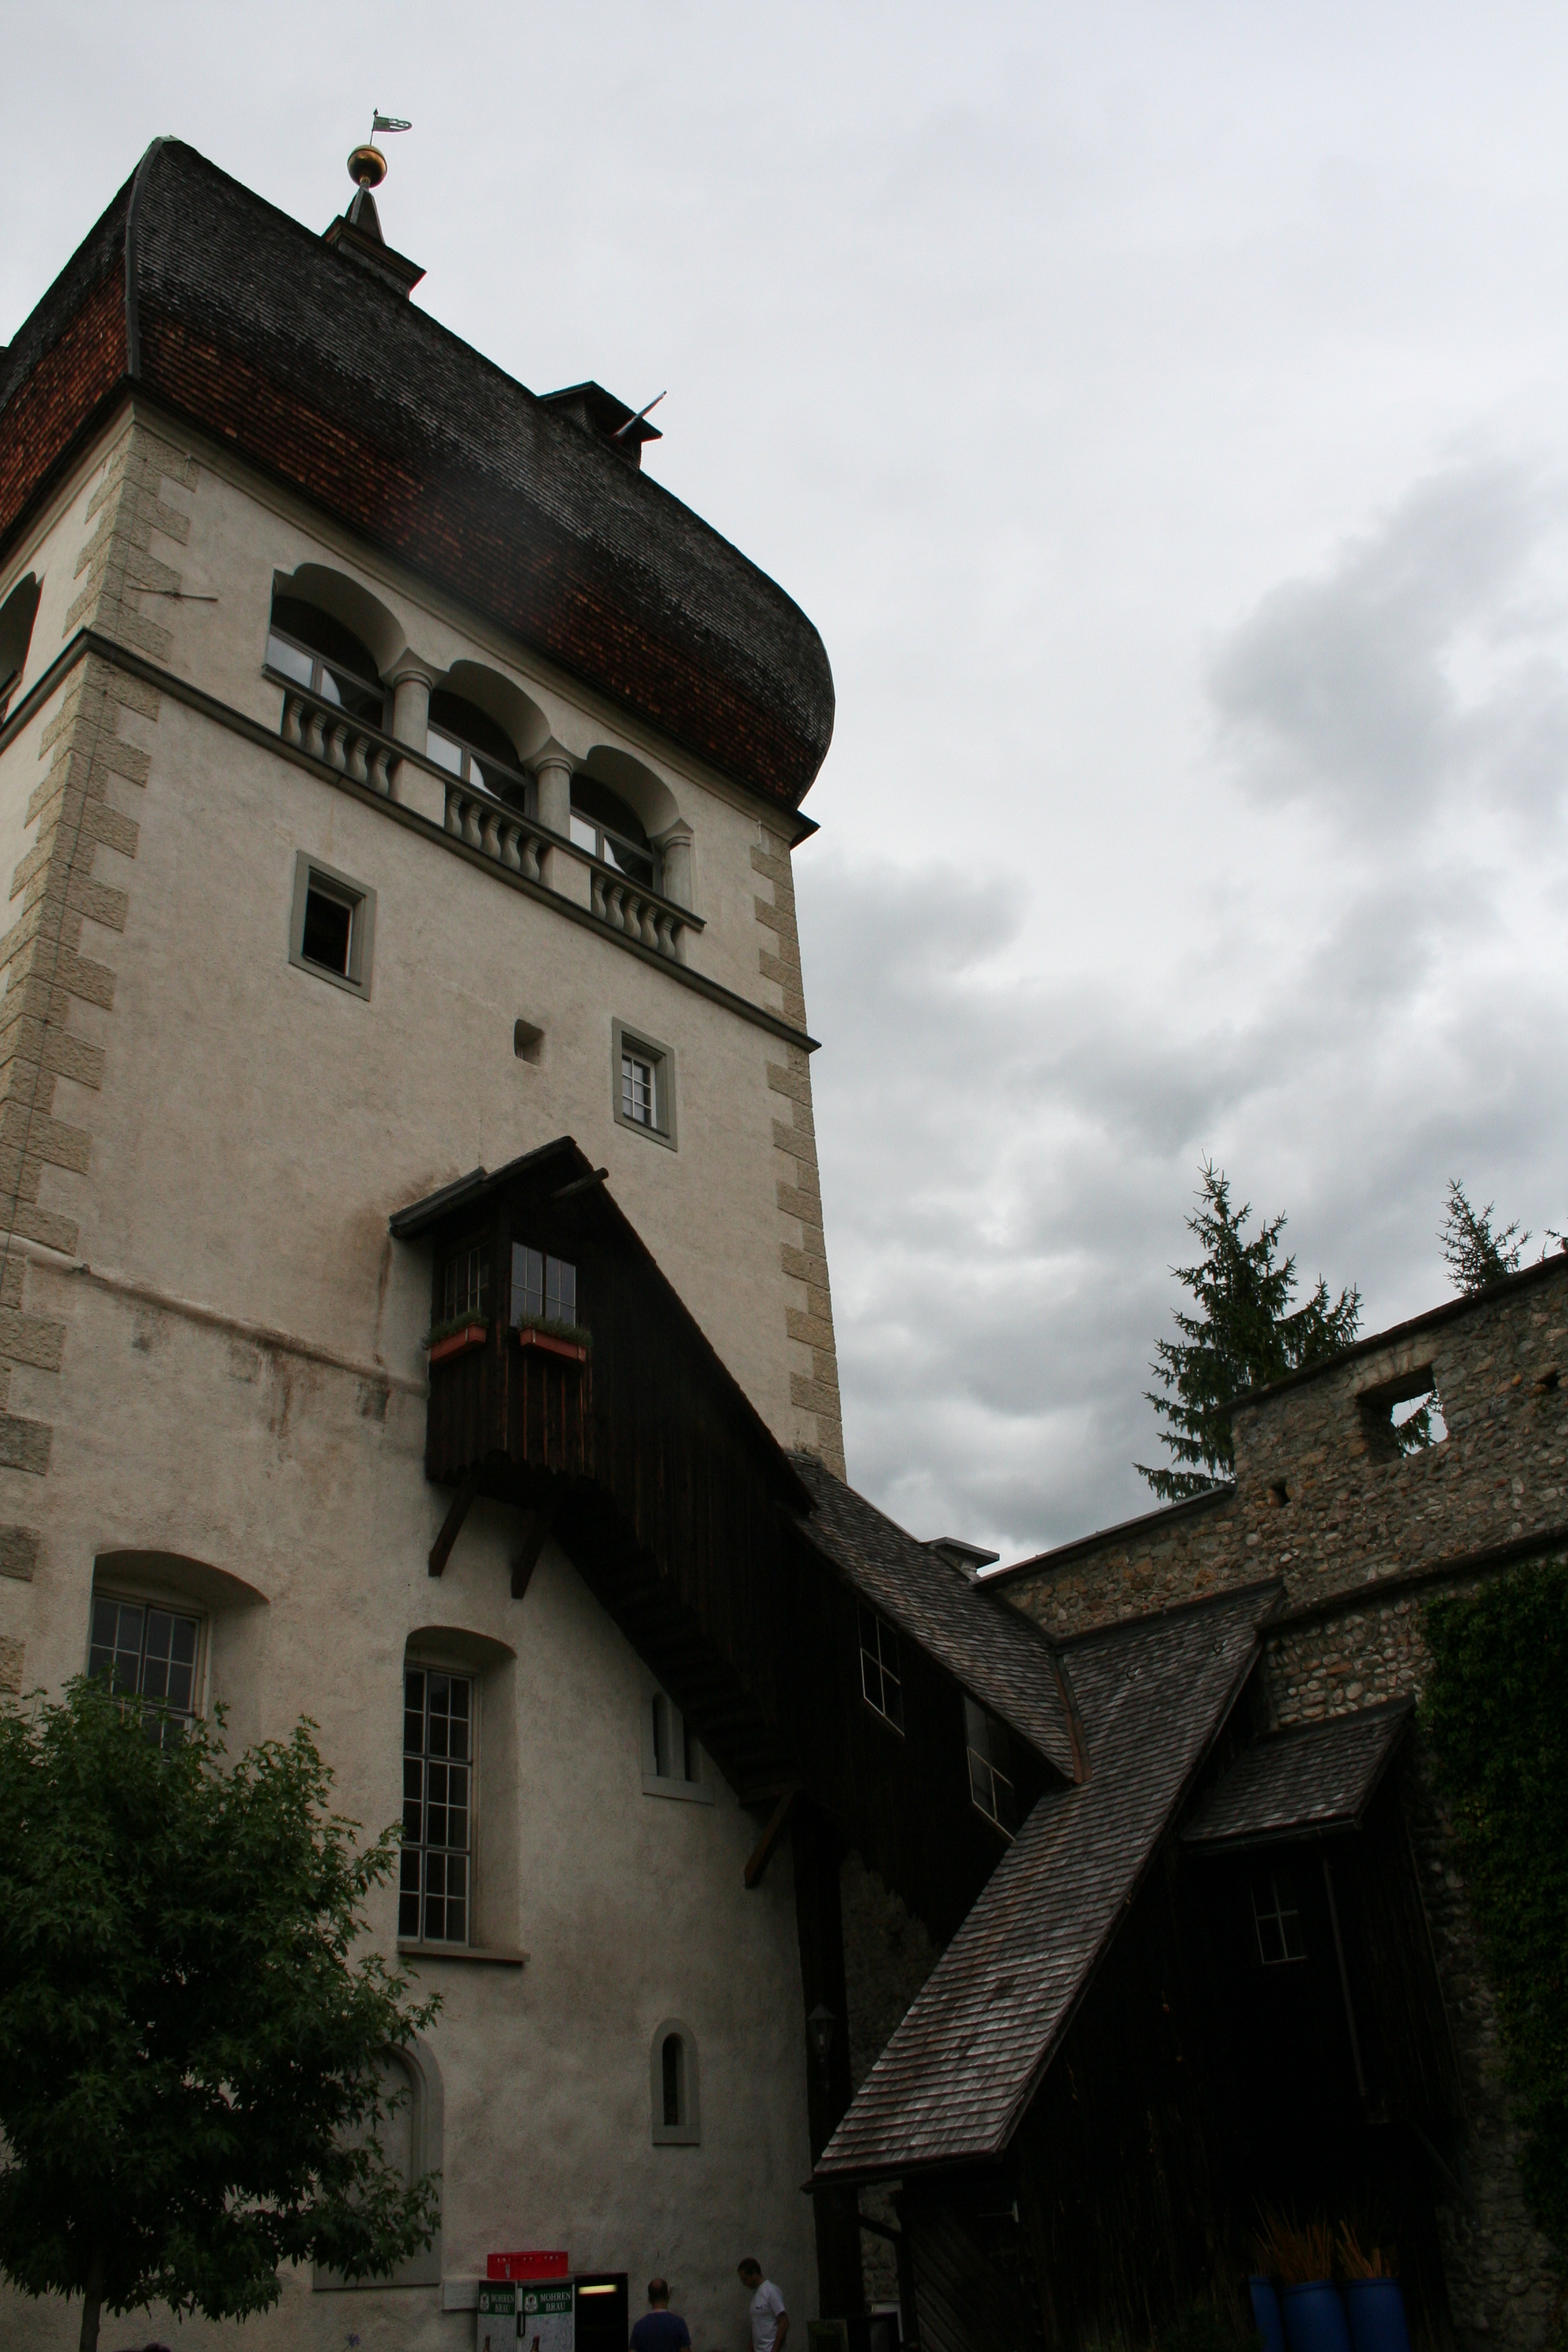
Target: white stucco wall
point(253, 1129)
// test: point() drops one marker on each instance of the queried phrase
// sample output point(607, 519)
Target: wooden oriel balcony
point(617, 1431)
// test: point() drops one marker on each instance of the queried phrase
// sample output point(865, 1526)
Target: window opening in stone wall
point(990, 1784)
point(329, 931)
point(1277, 1919)
point(676, 1756)
point(1403, 1416)
point(146, 1653)
point(319, 654)
point(639, 1086)
point(435, 1892)
point(543, 1289)
point(18, 615)
point(880, 1679)
point(607, 828)
point(466, 743)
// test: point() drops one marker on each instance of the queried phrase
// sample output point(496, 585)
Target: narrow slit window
point(435, 1891)
point(673, 2067)
point(880, 1680)
point(543, 1289)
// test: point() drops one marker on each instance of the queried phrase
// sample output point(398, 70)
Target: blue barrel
point(1266, 2314)
point(1315, 2318)
point(1375, 2308)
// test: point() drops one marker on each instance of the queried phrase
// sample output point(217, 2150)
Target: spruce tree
point(1474, 1255)
point(1245, 1333)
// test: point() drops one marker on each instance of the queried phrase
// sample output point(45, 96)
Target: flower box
point(472, 1335)
point(530, 1335)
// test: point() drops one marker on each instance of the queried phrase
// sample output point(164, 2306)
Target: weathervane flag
point(388, 123)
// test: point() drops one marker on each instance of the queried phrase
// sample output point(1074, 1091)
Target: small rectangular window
point(671, 1753)
point(543, 1289)
point(1277, 1919)
point(143, 1652)
point(436, 1893)
point(990, 1767)
point(880, 1680)
point(465, 1285)
point(332, 926)
point(644, 1085)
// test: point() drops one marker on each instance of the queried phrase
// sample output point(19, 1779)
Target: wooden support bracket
point(452, 1525)
point(526, 1560)
point(769, 1838)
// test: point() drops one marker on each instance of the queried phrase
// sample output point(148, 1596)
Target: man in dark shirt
point(660, 2329)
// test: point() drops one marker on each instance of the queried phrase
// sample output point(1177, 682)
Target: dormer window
point(991, 1785)
point(466, 743)
point(319, 654)
point(882, 1679)
point(543, 1289)
point(608, 828)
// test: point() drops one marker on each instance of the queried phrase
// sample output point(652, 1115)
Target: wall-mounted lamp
point(819, 2027)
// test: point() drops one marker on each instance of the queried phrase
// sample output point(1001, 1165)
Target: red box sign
point(539, 2264)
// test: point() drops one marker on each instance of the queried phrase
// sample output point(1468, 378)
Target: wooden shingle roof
point(960, 2071)
point(1314, 1777)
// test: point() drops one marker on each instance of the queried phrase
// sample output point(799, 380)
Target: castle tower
point(395, 782)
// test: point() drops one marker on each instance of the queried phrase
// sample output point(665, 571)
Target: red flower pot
point(473, 1335)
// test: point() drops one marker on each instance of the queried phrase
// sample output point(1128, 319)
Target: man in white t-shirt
point(770, 2320)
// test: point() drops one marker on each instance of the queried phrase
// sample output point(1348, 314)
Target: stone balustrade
point(626, 907)
point(325, 731)
point(488, 825)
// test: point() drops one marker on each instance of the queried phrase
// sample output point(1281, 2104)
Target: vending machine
point(584, 2312)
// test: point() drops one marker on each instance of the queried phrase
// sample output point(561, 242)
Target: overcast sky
point(1160, 411)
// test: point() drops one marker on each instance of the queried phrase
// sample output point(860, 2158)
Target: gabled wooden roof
point(1315, 1778)
point(955, 2080)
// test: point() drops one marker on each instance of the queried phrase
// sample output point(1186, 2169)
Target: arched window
point(18, 615)
point(324, 655)
point(609, 827)
point(411, 2132)
point(467, 742)
point(673, 2086)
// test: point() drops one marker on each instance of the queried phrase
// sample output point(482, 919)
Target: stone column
point(411, 681)
point(674, 846)
point(552, 784)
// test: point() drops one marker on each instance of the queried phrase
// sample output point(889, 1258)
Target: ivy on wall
point(1495, 1711)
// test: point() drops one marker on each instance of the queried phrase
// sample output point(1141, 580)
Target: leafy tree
point(1493, 1711)
point(1248, 1332)
point(1474, 1255)
point(190, 2076)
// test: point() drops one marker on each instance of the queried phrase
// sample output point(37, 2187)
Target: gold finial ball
point(367, 167)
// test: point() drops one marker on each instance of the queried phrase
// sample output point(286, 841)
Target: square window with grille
point(1277, 1919)
point(435, 1890)
point(465, 1285)
point(990, 1767)
point(644, 1082)
point(880, 1679)
point(543, 1289)
point(148, 1653)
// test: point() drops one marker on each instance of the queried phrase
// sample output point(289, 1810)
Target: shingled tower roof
point(315, 367)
